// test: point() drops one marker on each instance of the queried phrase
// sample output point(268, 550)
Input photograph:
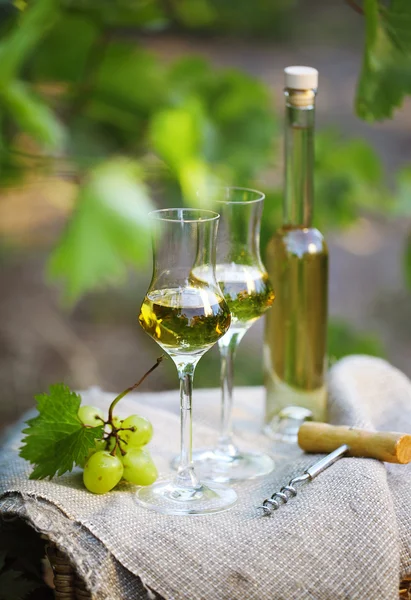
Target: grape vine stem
point(131, 388)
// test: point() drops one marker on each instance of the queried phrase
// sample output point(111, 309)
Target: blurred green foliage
point(112, 205)
point(344, 339)
point(81, 97)
point(386, 70)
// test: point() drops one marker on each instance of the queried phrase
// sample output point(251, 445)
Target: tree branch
point(358, 9)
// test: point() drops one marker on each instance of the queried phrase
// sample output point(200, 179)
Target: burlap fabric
point(346, 535)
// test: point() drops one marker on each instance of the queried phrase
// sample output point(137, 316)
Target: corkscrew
point(340, 441)
point(289, 491)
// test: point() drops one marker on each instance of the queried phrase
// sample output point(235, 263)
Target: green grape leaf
point(56, 440)
point(179, 136)
point(130, 78)
point(191, 75)
point(348, 178)
point(386, 71)
point(241, 111)
point(13, 586)
point(398, 24)
point(32, 115)
point(109, 228)
point(64, 52)
point(17, 45)
point(176, 133)
point(218, 127)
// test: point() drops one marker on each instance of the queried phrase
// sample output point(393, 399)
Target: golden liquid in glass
point(246, 288)
point(184, 320)
point(295, 340)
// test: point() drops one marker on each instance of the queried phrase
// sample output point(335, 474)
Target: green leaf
point(354, 157)
point(65, 50)
point(115, 123)
point(56, 440)
point(180, 136)
point(32, 115)
point(108, 229)
point(22, 39)
point(398, 24)
point(89, 142)
point(176, 133)
point(244, 124)
point(198, 180)
point(224, 119)
point(386, 71)
point(191, 75)
point(348, 178)
point(130, 78)
point(13, 586)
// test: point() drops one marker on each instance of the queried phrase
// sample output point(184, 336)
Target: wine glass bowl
point(247, 291)
point(185, 320)
point(186, 317)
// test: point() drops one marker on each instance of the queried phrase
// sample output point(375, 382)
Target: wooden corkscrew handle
point(386, 446)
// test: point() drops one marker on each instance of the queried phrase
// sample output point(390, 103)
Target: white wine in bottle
point(297, 264)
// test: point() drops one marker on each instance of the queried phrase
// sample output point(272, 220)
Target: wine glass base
point(282, 437)
point(223, 468)
point(284, 426)
point(165, 497)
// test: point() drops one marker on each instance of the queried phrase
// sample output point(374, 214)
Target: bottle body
point(296, 325)
point(297, 264)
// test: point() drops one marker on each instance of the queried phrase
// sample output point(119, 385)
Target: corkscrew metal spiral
point(277, 499)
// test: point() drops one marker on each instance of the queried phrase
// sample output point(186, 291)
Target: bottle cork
point(301, 85)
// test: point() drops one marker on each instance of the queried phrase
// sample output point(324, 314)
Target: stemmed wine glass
point(244, 282)
point(186, 317)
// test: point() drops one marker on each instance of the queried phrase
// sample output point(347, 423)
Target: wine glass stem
point(186, 477)
point(228, 345)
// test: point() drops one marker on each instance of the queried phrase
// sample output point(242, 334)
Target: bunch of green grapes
point(120, 455)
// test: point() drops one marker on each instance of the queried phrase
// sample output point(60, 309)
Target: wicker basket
point(405, 589)
point(68, 586)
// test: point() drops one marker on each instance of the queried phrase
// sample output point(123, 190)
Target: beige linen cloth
point(346, 535)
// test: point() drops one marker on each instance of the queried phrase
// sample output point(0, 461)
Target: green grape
point(98, 445)
point(142, 434)
point(102, 472)
point(90, 415)
point(117, 422)
point(139, 467)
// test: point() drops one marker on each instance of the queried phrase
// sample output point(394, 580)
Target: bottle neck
point(299, 157)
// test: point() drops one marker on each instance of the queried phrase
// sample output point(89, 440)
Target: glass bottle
point(297, 264)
